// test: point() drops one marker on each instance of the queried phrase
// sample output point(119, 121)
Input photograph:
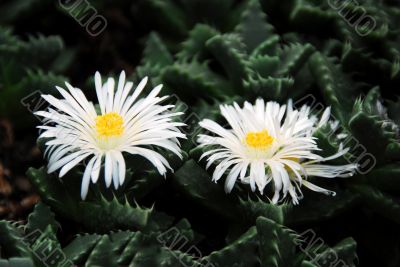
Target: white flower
point(125, 124)
point(269, 143)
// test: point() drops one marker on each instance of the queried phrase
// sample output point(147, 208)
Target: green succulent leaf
point(380, 202)
point(79, 249)
point(16, 262)
point(196, 183)
point(229, 51)
point(100, 214)
point(105, 215)
point(156, 52)
point(293, 57)
point(170, 16)
point(239, 253)
point(254, 28)
point(41, 218)
point(317, 207)
point(335, 86)
point(11, 240)
point(195, 45)
point(193, 78)
point(362, 122)
point(277, 244)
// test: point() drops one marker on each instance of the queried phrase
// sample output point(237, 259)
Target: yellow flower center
point(259, 140)
point(109, 125)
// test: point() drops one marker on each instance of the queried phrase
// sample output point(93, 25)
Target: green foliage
point(205, 53)
point(16, 262)
point(229, 51)
point(240, 252)
point(101, 214)
point(370, 116)
point(195, 45)
point(35, 244)
point(380, 202)
point(25, 72)
point(212, 65)
point(195, 182)
point(10, 239)
point(253, 28)
point(275, 245)
point(317, 207)
point(41, 218)
point(155, 57)
point(334, 84)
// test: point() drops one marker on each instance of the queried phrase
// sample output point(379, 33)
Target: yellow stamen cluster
point(110, 124)
point(259, 140)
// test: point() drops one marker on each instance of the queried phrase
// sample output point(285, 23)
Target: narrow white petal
point(72, 164)
point(96, 169)
point(318, 189)
point(86, 178)
point(121, 166)
point(108, 169)
point(99, 92)
point(115, 174)
point(232, 177)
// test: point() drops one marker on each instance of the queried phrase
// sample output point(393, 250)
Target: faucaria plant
point(276, 95)
point(267, 242)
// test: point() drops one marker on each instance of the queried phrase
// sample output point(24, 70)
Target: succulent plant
point(208, 53)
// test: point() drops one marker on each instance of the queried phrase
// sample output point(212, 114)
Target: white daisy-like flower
point(267, 143)
point(125, 123)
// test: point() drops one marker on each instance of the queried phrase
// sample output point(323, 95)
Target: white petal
point(86, 178)
point(99, 92)
point(120, 89)
point(108, 169)
point(324, 117)
point(155, 158)
point(318, 189)
point(72, 164)
point(96, 169)
point(231, 179)
point(58, 164)
point(121, 166)
point(115, 174)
